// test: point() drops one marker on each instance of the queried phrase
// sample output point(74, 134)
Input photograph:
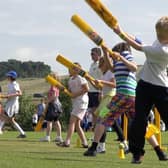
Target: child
point(78, 86)
point(108, 91)
point(152, 88)
point(12, 103)
point(53, 113)
point(39, 112)
point(123, 101)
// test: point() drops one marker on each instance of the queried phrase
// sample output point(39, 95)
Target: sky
point(39, 30)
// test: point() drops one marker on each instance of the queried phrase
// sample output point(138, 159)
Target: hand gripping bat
point(55, 82)
point(91, 33)
point(70, 65)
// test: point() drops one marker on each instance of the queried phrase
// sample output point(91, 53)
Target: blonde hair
point(162, 26)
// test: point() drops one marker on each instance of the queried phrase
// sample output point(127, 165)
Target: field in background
point(29, 85)
point(30, 153)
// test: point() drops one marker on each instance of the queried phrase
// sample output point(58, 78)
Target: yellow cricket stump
point(121, 153)
point(157, 123)
point(78, 142)
point(125, 128)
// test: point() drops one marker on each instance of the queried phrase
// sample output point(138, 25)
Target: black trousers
point(147, 95)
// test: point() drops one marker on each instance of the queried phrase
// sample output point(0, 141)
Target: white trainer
point(58, 139)
point(1, 132)
point(101, 148)
point(45, 139)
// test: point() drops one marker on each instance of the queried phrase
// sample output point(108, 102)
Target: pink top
point(53, 91)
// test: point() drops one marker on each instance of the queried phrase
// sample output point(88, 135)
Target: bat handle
point(110, 52)
point(67, 92)
point(90, 78)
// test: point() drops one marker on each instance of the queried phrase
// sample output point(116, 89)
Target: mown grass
point(30, 153)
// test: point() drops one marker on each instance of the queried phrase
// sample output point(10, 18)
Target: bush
point(27, 108)
point(67, 106)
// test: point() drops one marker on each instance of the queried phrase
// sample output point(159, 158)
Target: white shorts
point(79, 113)
point(11, 108)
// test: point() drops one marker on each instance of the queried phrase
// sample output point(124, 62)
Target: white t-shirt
point(96, 73)
point(154, 68)
point(75, 85)
point(12, 104)
point(107, 76)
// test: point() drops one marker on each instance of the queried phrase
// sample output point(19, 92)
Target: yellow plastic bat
point(55, 82)
point(91, 33)
point(103, 12)
point(70, 65)
point(40, 122)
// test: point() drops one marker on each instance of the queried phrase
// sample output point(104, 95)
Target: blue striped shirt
point(125, 79)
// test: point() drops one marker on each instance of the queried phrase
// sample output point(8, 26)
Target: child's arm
point(128, 38)
point(94, 83)
point(130, 64)
point(84, 89)
point(110, 83)
point(107, 59)
point(18, 93)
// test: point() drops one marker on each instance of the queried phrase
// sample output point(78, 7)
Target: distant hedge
point(25, 69)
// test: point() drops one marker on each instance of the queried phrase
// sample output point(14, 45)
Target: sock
point(93, 146)
point(102, 145)
point(16, 125)
point(103, 137)
point(1, 124)
point(158, 151)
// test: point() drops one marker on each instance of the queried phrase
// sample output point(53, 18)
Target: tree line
point(24, 69)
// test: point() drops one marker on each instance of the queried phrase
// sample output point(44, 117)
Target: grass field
point(30, 153)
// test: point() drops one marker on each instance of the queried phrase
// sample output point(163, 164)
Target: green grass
point(30, 153)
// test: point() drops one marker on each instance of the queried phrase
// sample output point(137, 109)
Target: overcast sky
point(38, 30)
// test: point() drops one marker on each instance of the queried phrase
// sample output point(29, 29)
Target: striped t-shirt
point(125, 79)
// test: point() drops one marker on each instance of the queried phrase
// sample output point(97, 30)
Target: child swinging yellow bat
point(70, 65)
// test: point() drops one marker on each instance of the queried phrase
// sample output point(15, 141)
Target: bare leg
point(49, 128)
point(71, 129)
point(80, 132)
point(159, 152)
point(58, 128)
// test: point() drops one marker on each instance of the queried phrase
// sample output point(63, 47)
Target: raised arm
point(128, 38)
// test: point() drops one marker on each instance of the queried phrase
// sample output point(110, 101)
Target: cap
point(12, 74)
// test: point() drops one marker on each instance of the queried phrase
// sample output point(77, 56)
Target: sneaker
point(1, 132)
point(126, 148)
point(58, 139)
point(63, 144)
point(90, 152)
point(137, 159)
point(85, 146)
point(45, 139)
point(21, 136)
point(100, 149)
point(162, 156)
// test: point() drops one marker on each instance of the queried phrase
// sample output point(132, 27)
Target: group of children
point(119, 93)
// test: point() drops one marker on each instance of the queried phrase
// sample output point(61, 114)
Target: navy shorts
point(93, 99)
